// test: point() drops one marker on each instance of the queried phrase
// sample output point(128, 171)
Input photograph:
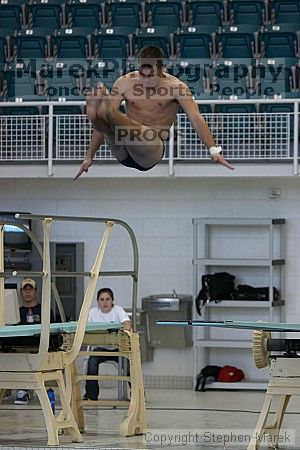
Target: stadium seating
point(3, 49)
point(61, 80)
point(229, 80)
point(283, 40)
point(87, 14)
point(10, 16)
point(279, 41)
point(121, 13)
point(217, 32)
point(106, 77)
point(162, 13)
point(67, 109)
point(20, 83)
point(247, 11)
point(19, 110)
point(40, 31)
point(44, 15)
point(111, 43)
point(70, 43)
point(205, 12)
point(194, 42)
point(29, 44)
point(236, 40)
point(236, 108)
point(192, 75)
point(275, 77)
point(286, 11)
point(13, 2)
point(159, 36)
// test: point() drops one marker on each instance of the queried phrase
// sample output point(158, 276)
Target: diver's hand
point(219, 159)
point(84, 167)
point(216, 156)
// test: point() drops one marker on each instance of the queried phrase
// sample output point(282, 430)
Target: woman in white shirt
point(106, 311)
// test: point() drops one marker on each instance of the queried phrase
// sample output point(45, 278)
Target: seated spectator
point(30, 313)
point(106, 311)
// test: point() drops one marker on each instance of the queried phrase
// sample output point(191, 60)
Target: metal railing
point(257, 136)
point(5, 274)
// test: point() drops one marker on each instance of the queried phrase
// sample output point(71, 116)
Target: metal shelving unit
point(270, 262)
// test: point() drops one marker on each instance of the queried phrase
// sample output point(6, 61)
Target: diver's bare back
point(152, 103)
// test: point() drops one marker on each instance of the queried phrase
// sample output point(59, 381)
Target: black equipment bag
point(215, 287)
point(210, 373)
point(245, 292)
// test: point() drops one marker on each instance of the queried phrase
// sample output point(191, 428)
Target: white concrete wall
point(160, 211)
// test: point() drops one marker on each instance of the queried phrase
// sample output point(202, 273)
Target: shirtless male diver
point(152, 99)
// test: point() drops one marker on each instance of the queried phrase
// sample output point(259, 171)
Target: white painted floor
point(183, 418)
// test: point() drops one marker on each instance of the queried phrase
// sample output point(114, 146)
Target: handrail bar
point(104, 220)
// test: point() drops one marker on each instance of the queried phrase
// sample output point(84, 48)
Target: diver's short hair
point(151, 51)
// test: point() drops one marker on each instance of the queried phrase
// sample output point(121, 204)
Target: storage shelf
point(247, 385)
point(223, 343)
point(260, 262)
point(237, 221)
point(212, 252)
point(244, 304)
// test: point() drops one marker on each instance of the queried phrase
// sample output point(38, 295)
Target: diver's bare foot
point(103, 102)
point(94, 95)
point(96, 104)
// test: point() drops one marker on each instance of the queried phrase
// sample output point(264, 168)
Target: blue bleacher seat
point(6, 32)
point(157, 36)
point(99, 70)
point(234, 108)
point(277, 107)
point(194, 42)
point(288, 41)
point(29, 44)
point(111, 43)
point(40, 31)
point(60, 3)
point(60, 82)
point(205, 12)
point(162, 13)
point(19, 110)
point(279, 120)
point(13, 2)
point(227, 82)
point(67, 109)
point(84, 14)
point(274, 76)
point(285, 11)
point(67, 43)
point(64, 87)
point(3, 50)
point(20, 83)
point(75, 32)
point(196, 85)
point(236, 40)
point(122, 12)
point(243, 11)
point(278, 41)
point(297, 77)
point(10, 16)
point(44, 15)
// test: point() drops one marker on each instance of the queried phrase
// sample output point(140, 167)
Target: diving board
point(65, 327)
point(244, 325)
point(284, 370)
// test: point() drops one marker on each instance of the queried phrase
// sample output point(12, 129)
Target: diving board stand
point(128, 345)
point(284, 370)
point(32, 369)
